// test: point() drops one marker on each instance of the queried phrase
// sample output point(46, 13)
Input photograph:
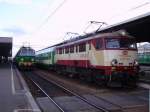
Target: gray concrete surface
point(10, 99)
point(46, 105)
point(125, 101)
point(102, 103)
point(69, 104)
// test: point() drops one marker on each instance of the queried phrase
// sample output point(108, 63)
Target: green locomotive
point(25, 58)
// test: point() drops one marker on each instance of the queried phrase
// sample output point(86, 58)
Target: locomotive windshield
point(115, 43)
point(27, 52)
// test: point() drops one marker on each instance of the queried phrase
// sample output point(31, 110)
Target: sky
point(42, 23)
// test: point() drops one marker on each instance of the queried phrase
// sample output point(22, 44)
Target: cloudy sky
point(41, 23)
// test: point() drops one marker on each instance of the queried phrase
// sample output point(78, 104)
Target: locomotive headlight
point(114, 62)
point(136, 63)
point(22, 59)
point(32, 59)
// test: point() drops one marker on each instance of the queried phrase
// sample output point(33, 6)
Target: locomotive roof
point(22, 48)
point(93, 36)
point(88, 37)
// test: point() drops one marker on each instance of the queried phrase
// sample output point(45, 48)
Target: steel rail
point(47, 95)
point(77, 95)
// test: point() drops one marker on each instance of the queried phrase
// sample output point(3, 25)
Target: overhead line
point(131, 9)
point(50, 15)
point(146, 3)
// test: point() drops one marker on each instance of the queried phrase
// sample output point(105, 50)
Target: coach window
point(89, 45)
point(72, 49)
point(98, 44)
point(49, 55)
point(76, 48)
point(67, 50)
point(60, 51)
point(46, 55)
point(82, 47)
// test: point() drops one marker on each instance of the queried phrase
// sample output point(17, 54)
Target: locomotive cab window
point(112, 43)
point(121, 43)
point(98, 44)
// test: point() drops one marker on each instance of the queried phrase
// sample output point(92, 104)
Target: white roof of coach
point(45, 50)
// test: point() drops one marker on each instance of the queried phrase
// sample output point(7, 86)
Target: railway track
point(121, 107)
point(40, 82)
point(52, 89)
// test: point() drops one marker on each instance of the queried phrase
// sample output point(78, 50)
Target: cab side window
point(98, 44)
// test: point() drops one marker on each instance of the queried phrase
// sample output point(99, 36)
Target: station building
point(144, 48)
point(5, 48)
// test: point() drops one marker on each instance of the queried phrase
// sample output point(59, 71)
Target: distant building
point(144, 48)
point(5, 49)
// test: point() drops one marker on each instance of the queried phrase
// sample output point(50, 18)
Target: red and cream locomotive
point(109, 58)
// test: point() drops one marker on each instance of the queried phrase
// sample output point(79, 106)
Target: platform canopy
point(5, 46)
point(138, 27)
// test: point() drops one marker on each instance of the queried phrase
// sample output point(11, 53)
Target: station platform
point(14, 93)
